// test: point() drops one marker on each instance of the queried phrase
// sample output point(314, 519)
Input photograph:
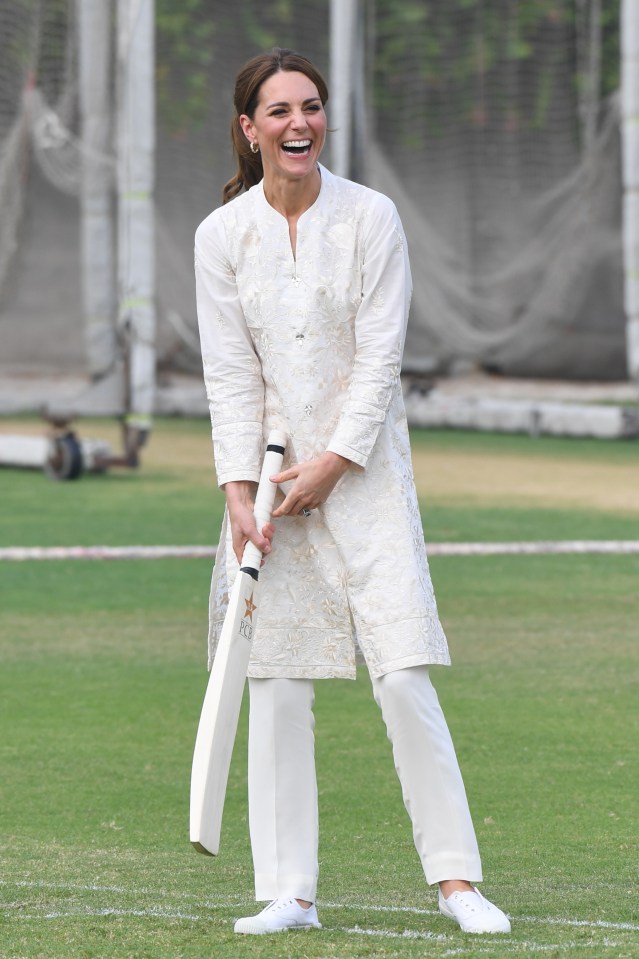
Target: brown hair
point(247, 90)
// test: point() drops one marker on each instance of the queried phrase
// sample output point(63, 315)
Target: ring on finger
point(305, 512)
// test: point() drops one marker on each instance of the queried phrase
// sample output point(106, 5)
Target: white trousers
point(283, 818)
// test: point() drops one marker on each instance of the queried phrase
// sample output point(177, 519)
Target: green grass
point(461, 523)
point(167, 503)
point(103, 673)
point(542, 447)
point(163, 502)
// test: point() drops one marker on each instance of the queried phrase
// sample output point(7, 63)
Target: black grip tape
point(253, 573)
point(272, 448)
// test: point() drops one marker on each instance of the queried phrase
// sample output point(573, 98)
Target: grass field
point(103, 672)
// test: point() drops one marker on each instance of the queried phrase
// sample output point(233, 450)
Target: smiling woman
point(303, 288)
point(258, 89)
point(288, 129)
point(289, 106)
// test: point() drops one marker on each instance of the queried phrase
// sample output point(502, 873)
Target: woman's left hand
point(313, 482)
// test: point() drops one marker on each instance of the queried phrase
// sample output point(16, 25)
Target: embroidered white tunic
point(312, 345)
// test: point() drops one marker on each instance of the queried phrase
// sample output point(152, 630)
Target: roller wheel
point(65, 459)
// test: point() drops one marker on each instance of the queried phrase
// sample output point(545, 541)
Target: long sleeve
point(380, 330)
point(327, 326)
point(232, 371)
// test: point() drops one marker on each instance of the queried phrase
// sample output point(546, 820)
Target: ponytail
point(249, 164)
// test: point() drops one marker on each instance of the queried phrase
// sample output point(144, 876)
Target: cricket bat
point(221, 707)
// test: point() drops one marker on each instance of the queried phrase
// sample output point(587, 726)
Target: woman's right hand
point(240, 502)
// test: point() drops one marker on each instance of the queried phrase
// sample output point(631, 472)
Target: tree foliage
point(460, 45)
point(193, 34)
point(466, 47)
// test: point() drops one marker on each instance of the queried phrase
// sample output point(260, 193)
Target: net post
point(343, 17)
point(96, 190)
point(136, 228)
point(630, 167)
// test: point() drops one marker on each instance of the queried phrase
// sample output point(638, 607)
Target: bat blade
point(221, 709)
point(219, 717)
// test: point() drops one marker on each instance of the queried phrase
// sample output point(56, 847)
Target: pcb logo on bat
point(246, 627)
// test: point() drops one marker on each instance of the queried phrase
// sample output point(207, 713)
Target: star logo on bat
point(250, 608)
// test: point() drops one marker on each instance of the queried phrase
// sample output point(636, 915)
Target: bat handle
point(265, 497)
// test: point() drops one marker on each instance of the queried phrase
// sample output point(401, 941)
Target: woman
point(303, 288)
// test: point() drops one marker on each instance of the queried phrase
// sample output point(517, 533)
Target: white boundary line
point(525, 548)
point(542, 548)
point(22, 553)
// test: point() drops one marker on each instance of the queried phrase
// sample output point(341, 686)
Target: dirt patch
point(450, 476)
point(446, 476)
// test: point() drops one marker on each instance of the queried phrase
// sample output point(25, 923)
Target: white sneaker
point(279, 916)
point(473, 913)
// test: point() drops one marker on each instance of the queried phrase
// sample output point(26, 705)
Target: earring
point(255, 146)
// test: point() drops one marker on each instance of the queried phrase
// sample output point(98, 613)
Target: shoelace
point(470, 905)
point(278, 904)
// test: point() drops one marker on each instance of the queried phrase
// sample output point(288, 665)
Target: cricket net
point(493, 124)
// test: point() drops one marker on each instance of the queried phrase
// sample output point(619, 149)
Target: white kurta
point(312, 345)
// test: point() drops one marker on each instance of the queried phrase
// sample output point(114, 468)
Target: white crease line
point(513, 946)
point(499, 938)
point(540, 920)
point(93, 887)
point(407, 934)
point(581, 923)
point(388, 934)
point(107, 911)
point(412, 910)
point(229, 902)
